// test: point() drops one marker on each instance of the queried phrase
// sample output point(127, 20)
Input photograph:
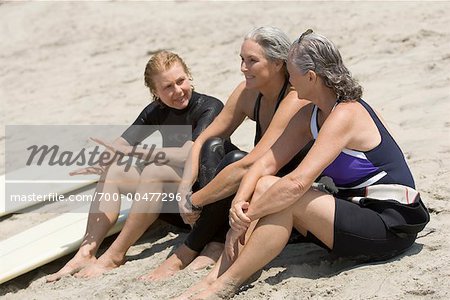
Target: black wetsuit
point(200, 112)
point(213, 222)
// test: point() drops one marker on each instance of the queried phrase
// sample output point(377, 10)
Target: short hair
point(315, 52)
point(161, 61)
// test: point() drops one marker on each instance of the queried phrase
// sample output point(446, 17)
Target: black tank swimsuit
point(295, 161)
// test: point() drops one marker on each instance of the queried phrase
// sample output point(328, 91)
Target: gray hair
point(317, 53)
point(275, 43)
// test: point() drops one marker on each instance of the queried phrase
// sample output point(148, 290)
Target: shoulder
point(153, 109)
point(204, 106)
point(348, 112)
point(242, 99)
point(242, 94)
point(291, 100)
point(206, 102)
point(344, 118)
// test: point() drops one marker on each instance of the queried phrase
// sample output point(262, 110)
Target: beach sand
point(82, 63)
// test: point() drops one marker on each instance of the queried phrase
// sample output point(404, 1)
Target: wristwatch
point(189, 204)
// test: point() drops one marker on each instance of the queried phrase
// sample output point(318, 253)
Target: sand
point(82, 63)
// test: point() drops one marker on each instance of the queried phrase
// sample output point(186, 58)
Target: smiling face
point(173, 86)
point(256, 67)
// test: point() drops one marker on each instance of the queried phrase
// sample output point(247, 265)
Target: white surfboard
point(13, 190)
point(48, 241)
point(16, 195)
point(18, 186)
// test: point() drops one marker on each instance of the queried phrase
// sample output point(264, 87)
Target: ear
point(312, 76)
point(279, 64)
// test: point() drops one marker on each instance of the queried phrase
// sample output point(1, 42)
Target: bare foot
point(74, 265)
point(176, 262)
point(220, 289)
point(103, 264)
point(207, 257)
point(165, 270)
point(195, 289)
point(221, 266)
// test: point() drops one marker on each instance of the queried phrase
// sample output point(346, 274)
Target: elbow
point(297, 184)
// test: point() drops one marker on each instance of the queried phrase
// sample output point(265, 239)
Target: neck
point(325, 100)
point(272, 89)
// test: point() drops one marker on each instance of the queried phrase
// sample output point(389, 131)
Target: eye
point(180, 81)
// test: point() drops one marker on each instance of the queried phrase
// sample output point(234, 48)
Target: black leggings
point(212, 226)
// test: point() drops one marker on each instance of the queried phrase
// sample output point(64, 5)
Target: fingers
point(190, 218)
point(238, 219)
point(229, 245)
point(229, 251)
point(242, 238)
point(240, 209)
point(237, 224)
point(87, 171)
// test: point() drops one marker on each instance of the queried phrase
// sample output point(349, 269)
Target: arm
point(294, 137)
point(232, 115)
point(227, 181)
point(100, 168)
point(336, 133)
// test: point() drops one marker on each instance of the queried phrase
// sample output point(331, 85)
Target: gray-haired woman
point(376, 212)
point(266, 97)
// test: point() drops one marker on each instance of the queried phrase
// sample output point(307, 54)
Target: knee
point(116, 171)
point(153, 171)
point(234, 156)
point(263, 184)
point(213, 145)
point(230, 158)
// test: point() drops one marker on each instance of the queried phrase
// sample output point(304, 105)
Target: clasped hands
point(239, 223)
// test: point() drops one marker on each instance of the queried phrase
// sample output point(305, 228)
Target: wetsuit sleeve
point(136, 133)
point(211, 107)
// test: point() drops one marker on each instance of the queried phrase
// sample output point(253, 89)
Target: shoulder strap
point(313, 124)
point(282, 92)
point(256, 117)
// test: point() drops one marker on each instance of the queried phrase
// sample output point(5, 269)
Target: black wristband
point(189, 204)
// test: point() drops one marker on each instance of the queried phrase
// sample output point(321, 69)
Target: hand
point(188, 215)
point(231, 243)
point(238, 219)
point(99, 170)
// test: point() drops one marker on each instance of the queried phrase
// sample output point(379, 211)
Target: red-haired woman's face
point(173, 87)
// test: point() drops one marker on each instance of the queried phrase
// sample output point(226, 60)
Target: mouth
point(249, 77)
point(182, 99)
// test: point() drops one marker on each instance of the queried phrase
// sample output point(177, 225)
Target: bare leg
point(176, 262)
point(154, 179)
point(102, 216)
point(224, 262)
point(313, 212)
point(209, 256)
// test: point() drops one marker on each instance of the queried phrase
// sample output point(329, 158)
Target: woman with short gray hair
point(376, 212)
point(266, 97)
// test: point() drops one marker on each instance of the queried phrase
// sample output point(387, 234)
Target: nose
point(178, 90)
point(243, 67)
